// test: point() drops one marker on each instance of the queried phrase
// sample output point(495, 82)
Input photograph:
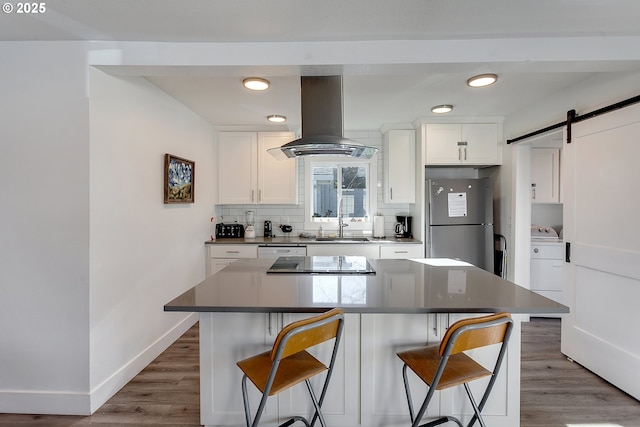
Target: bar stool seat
point(460, 367)
point(293, 370)
point(289, 363)
point(444, 365)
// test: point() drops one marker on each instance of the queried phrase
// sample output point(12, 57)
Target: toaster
point(229, 230)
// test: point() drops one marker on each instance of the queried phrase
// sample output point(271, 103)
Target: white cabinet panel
point(277, 181)
point(248, 174)
point(220, 255)
point(399, 151)
point(501, 409)
point(220, 377)
point(545, 175)
point(237, 160)
point(398, 251)
point(547, 267)
point(462, 144)
point(383, 397)
point(366, 388)
point(220, 387)
point(368, 250)
point(340, 407)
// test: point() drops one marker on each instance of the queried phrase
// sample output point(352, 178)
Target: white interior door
point(601, 180)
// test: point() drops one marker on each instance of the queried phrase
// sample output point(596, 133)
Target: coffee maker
point(268, 229)
point(403, 227)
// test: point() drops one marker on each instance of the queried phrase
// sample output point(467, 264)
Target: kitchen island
point(405, 304)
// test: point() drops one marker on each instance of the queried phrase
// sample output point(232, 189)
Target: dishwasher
point(278, 251)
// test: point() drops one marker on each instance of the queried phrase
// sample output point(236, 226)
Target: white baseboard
point(70, 403)
point(119, 379)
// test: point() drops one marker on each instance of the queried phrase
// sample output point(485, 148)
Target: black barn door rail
point(572, 117)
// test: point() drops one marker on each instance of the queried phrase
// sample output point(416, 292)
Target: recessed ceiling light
point(440, 109)
point(276, 118)
point(256, 83)
point(482, 80)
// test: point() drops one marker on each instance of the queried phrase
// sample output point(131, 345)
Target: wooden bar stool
point(445, 365)
point(288, 363)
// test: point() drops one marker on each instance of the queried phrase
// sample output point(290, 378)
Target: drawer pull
point(401, 252)
point(232, 252)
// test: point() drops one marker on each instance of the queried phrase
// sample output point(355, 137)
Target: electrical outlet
point(284, 220)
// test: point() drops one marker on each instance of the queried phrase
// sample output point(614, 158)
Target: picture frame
point(179, 180)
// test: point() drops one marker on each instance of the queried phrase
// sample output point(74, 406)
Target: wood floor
point(558, 393)
point(555, 392)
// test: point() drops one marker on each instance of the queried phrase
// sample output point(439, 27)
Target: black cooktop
point(321, 265)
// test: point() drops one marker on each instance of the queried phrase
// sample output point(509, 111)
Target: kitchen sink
point(342, 239)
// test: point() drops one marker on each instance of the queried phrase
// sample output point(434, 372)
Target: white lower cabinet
point(503, 407)
point(226, 338)
point(221, 255)
point(366, 388)
point(345, 249)
point(340, 407)
point(547, 267)
point(383, 397)
point(399, 251)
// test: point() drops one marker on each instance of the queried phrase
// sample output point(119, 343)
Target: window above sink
point(345, 187)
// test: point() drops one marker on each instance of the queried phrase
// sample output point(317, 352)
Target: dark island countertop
point(399, 286)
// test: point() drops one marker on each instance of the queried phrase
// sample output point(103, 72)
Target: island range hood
point(322, 127)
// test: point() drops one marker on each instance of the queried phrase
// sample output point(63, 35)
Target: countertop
point(399, 286)
point(301, 241)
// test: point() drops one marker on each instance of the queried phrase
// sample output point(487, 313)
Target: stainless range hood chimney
point(322, 127)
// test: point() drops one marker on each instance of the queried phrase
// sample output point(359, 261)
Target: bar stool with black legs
point(288, 363)
point(445, 365)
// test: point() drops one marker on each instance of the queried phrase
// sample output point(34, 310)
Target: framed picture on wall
point(179, 180)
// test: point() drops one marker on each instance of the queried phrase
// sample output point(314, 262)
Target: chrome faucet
point(341, 224)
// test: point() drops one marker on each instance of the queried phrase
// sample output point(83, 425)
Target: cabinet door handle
point(459, 153)
point(465, 153)
point(259, 195)
point(391, 193)
point(252, 193)
point(435, 325)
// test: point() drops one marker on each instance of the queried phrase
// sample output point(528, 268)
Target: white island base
point(366, 388)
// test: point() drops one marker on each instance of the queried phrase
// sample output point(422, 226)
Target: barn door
point(601, 185)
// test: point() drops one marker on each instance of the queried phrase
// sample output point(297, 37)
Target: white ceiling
point(522, 38)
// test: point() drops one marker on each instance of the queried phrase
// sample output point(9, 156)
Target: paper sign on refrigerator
point(457, 204)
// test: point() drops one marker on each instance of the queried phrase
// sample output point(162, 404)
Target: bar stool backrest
point(471, 333)
point(306, 333)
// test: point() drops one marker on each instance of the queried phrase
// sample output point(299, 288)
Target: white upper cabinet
point(545, 175)
point(463, 143)
point(399, 155)
point(277, 181)
point(247, 174)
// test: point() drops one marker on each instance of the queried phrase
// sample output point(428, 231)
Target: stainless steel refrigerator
point(460, 220)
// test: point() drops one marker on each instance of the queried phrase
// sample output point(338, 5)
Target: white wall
point(89, 253)
point(143, 253)
point(44, 231)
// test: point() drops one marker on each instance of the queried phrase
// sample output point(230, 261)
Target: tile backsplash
point(294, 214)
